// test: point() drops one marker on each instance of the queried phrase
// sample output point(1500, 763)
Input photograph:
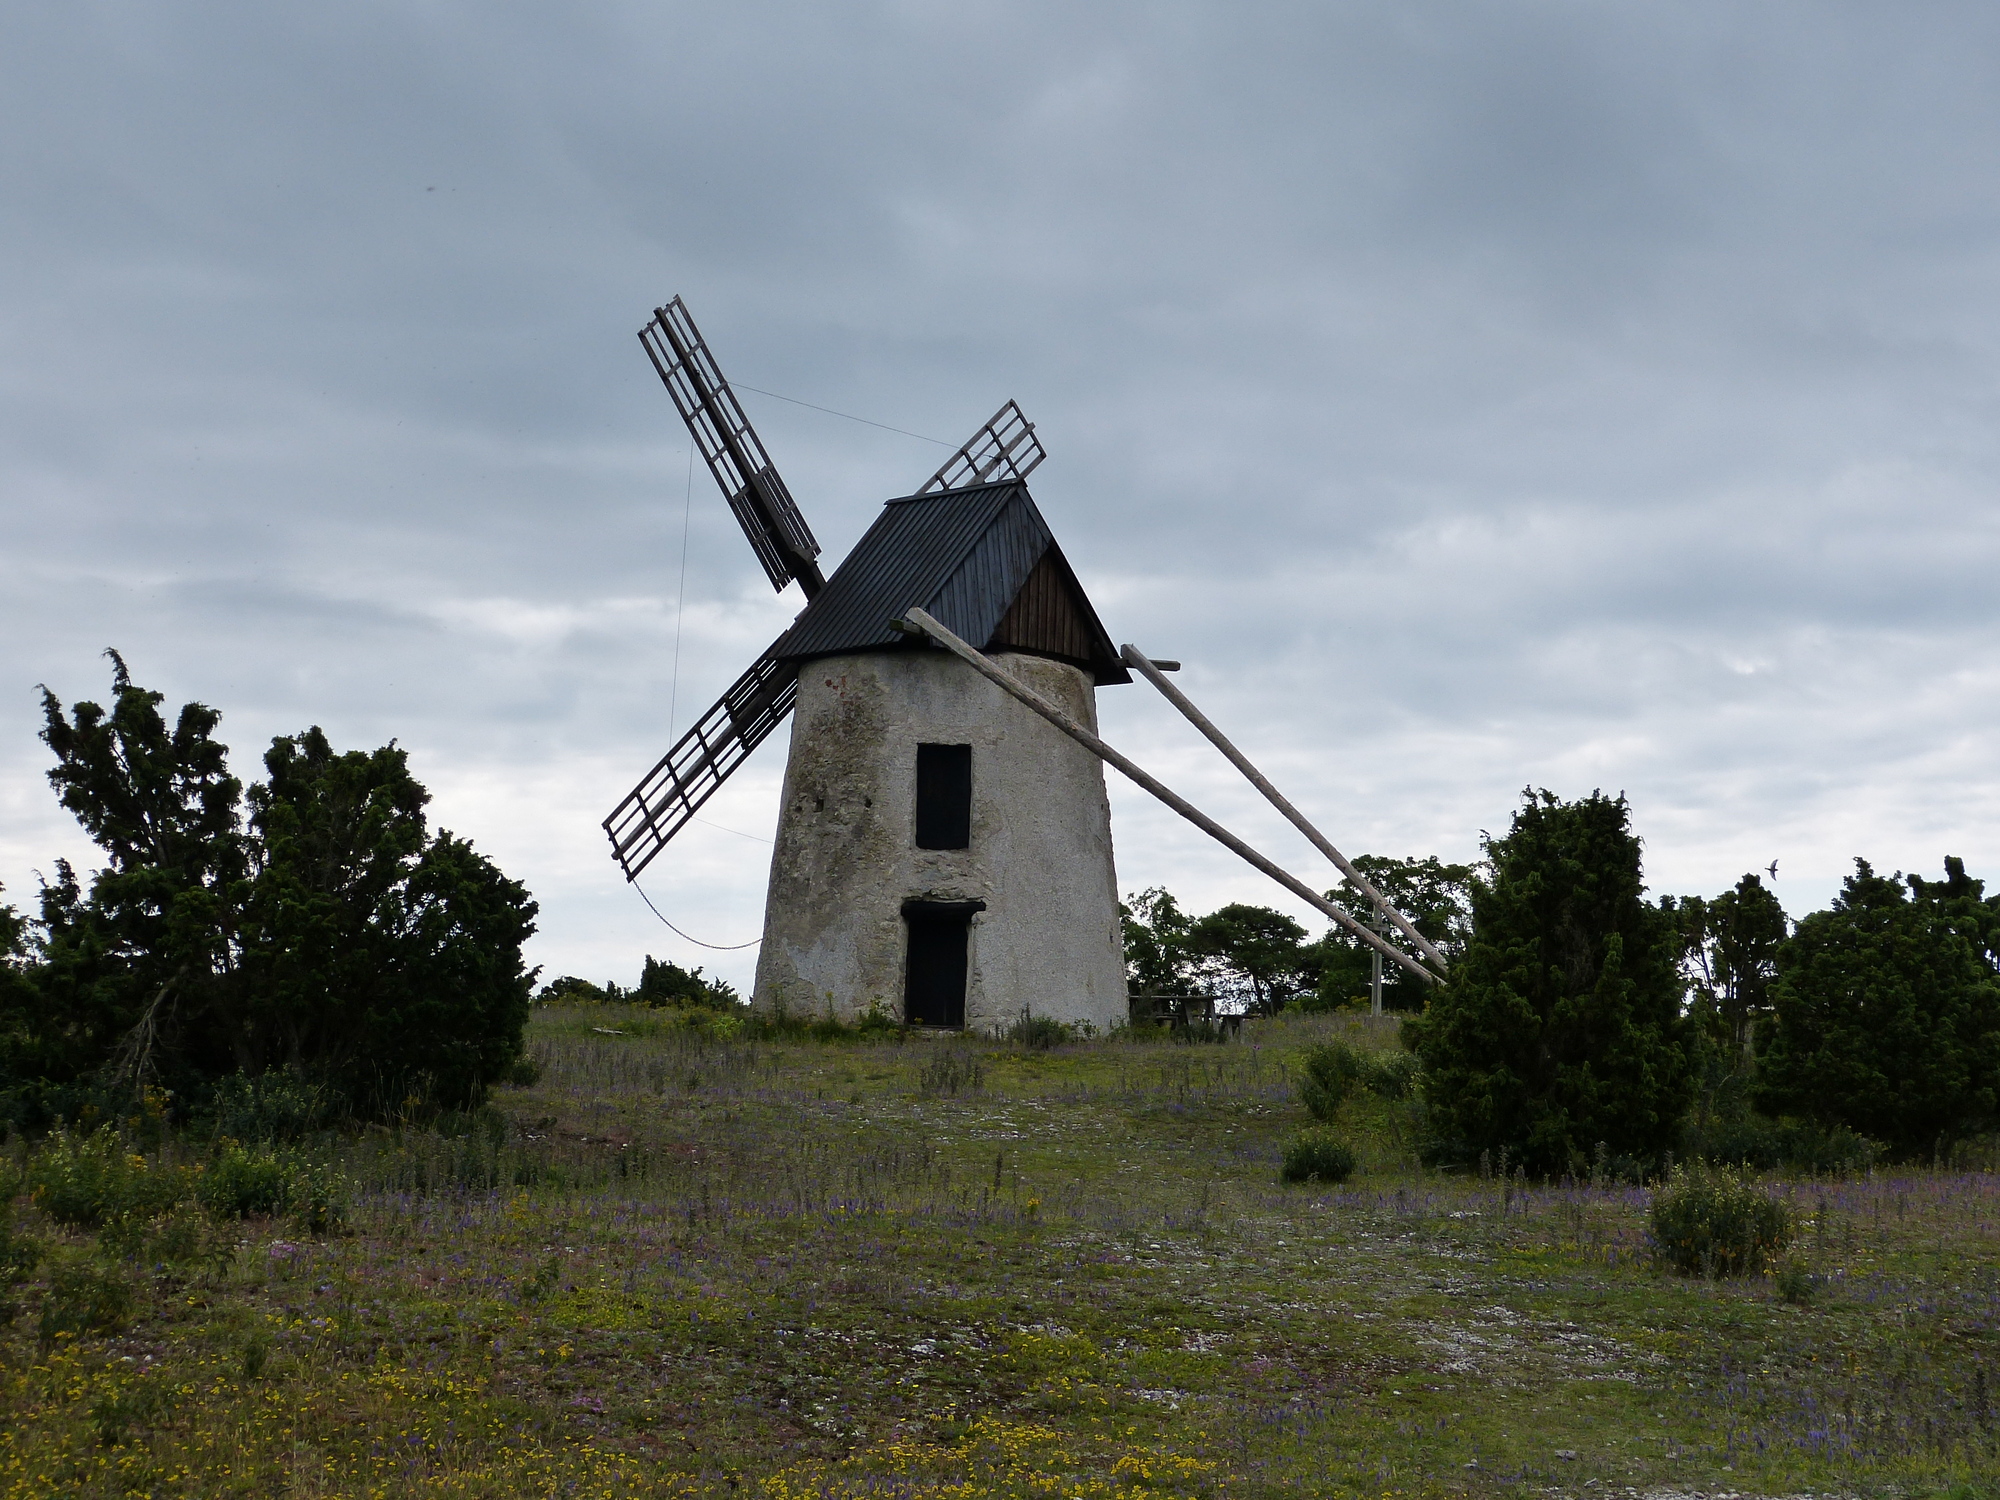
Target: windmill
point(938, 848)
point(943, 852)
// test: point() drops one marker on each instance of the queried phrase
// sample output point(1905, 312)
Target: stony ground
point(688, 1266)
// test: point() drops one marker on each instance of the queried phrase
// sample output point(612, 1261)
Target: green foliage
point(1038, 1033)
point(1333, 1070)
point(19, 1253)
point(541, 1284)
point(332, 938)
point(525, 1073)
point(1731, 945)
point(1394, 1075)
point(1795, 1281)
point(316, 1195)
point(670, 984)
point(1317, 1156)
point(1435, 896)
point(1887, 1013)
point(245, 1180)
point(1157, 961)
point(183, 1235)
point(84, 1296)
point(152, 938)
point(878, 1021)
point(1260, 958)
point(1251, 955)
point(264, 1107)
point(116, 1412)
point(88, 1180)
point(380, 960)
point(1560, 1026)
point(782, 1023)
point(952, 1069)
point(569, 990)
point(1711, 1221)
point(20, 1008)
point(1723, 1128)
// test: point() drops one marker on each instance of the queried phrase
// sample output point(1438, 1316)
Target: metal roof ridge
point(964, 489)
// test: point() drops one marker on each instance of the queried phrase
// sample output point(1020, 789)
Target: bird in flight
point(1774, 869)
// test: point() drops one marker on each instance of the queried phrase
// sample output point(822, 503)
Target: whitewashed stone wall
point(846, 856)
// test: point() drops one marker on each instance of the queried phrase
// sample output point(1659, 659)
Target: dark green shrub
point(1757, 1141)
point(84, 1296)
point(1795, 1282)
point(525, 1073)
point(878, 1023)
point(1710, 1221)
point(86, 1180)
point(328, 930)
point(1887, 1013)
point(1561, 1025)
point(1038, 1033)
point(570, 990)
point(1317, 1156)
point(541, 1284)
point(245, 1180)
point(19, 1253)
point(142, 1402)
point(1332, 1072)
point(184, 1235)
point(268, 1107)
point(253, 1352)
point(1394, 1075)
point(670, 985)
point(316, 1196)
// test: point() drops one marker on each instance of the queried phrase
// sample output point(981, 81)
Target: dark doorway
point(934, 975)
point(944, 796)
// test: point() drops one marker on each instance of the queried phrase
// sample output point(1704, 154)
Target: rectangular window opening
point(944, 796)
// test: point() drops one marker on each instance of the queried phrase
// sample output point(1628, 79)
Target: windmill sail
point(764, 508)
point(701, 760)
point(1005, 448)
point(757, 703)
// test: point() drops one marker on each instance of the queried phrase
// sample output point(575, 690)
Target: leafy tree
point(1435, 896)
point(332, 936)
point(1887, 1012)
point(670, 984)
point(1963, 903)
point(1560, 1026)
point(1157, 960)
point(374, 954)
point(19, 999)
point(1732, 956)
point(1253, 955)
point(572, 990)
point(152, 938)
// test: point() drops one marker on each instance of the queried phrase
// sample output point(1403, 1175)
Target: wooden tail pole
point(1137, 660)
point(920, 622)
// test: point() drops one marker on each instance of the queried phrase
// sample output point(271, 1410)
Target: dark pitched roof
point(982, 560)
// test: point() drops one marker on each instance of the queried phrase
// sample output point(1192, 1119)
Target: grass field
point(951, 1267)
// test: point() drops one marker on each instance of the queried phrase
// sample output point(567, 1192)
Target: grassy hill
point(680, 1265)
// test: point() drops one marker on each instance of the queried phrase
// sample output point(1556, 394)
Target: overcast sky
point(1473, 396)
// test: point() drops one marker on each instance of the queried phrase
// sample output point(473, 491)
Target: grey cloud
point(1472, 395)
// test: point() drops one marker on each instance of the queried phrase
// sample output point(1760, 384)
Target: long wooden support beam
point(1137, 659)
point(1007, 682)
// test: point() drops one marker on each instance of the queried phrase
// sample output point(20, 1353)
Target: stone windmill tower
point(942, 851)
